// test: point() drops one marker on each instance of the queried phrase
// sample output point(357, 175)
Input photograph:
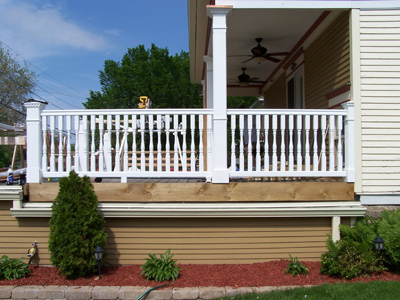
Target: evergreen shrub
point(76, 227)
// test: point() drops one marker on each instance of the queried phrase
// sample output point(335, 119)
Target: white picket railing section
point(157, 143)
point(298, 143)
point(125, 143)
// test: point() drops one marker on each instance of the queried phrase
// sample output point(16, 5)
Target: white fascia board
point(298, 4)
point(11, 192)
point(209, 210)
point(380, 198)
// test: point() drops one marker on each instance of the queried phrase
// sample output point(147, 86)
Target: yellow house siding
point(275, 96)
point(327, 63)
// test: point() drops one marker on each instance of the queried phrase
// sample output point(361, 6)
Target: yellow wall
point(327, 63)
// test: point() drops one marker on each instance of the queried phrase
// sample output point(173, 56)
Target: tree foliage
point(76, 227)
point(16, 83)
point(146, 72)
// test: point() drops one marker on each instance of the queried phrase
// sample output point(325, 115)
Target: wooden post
point(34, 140)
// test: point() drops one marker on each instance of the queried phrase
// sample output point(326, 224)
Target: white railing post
point(349, 141)
point(220, 173)
point(34, 140)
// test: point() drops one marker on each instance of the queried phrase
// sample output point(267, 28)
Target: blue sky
point(67, 41)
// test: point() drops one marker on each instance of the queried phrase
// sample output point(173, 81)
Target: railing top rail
point(304, 112)
point(90, 112)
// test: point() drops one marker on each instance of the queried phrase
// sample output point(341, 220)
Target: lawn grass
point(338, 291)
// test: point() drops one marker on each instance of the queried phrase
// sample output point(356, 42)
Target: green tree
point(16, 84)
point(150, 72)
point(76, 227)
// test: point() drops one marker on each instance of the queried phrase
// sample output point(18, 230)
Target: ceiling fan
point(245, 79)
point(260, 54)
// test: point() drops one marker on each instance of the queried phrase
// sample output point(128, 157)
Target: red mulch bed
point(194, 275)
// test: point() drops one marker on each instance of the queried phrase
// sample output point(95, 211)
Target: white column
point(335, 228)
point(220, 173)
point(34, 140)
point(349, 147)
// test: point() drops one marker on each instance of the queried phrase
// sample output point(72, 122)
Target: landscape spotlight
point(98, 255)
point(379, 243)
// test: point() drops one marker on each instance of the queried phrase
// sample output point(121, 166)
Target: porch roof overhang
point(281, 24)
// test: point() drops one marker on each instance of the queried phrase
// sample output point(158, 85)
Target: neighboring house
point(313, 166)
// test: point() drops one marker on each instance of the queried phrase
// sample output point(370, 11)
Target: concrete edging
point(127, 292)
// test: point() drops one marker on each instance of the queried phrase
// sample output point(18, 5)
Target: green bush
point(349, 259)
point(160, 269)
point(13, 268)
point(295, 267)
point(76, 227)
point(388, 227)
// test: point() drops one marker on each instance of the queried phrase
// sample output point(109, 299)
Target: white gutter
point(209, 210)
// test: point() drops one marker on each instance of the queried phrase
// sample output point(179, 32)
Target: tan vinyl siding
point(202, 240)
point(275, 96)
point(17, 235)
point(213, 241)
point(380, 100)
point(327, 63)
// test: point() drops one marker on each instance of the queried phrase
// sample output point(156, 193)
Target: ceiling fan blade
point(278, 53)
point(240, 56)
point(273, 59)
point(247, 60)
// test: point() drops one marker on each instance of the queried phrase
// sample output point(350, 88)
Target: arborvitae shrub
point(76, 227)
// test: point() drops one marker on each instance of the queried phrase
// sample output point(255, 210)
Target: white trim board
point(380, 199)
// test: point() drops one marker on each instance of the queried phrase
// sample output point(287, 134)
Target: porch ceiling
point(280, 30)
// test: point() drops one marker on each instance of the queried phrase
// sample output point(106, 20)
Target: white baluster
point(84, 145)
point(233, 154)
point(52, 145)
point(299, 142)
point(125, 145)
point(117, 145)
point(283, 149)
point(201, 146)
point(142, 145)
point(151, 144)
point(209, 143)
point(266, 143)
point(258, 146)
point(77, 164)
point(249, 143)
point(69, 158)
point(291, 144)
point(107, 144)
point(315, 146)
point(241, 146)
point(192, 143)
point(167, 144)
point(176, 143)
point(93, 147)
point(307, 144)
point(44, 144)
point(332, 143)
point(323, 143)
point(274, 143)
point(101, 146)
point(339, 143)
point(159, 146)
point(60, 144)
point(134, 153)
point(184, 146)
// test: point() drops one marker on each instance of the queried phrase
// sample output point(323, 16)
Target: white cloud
point(38, 32)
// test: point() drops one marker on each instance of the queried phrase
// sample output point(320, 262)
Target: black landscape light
point(98, 255)
point(379, 243)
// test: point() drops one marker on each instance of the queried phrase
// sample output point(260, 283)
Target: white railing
point(156, 143)
point(282, 143)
